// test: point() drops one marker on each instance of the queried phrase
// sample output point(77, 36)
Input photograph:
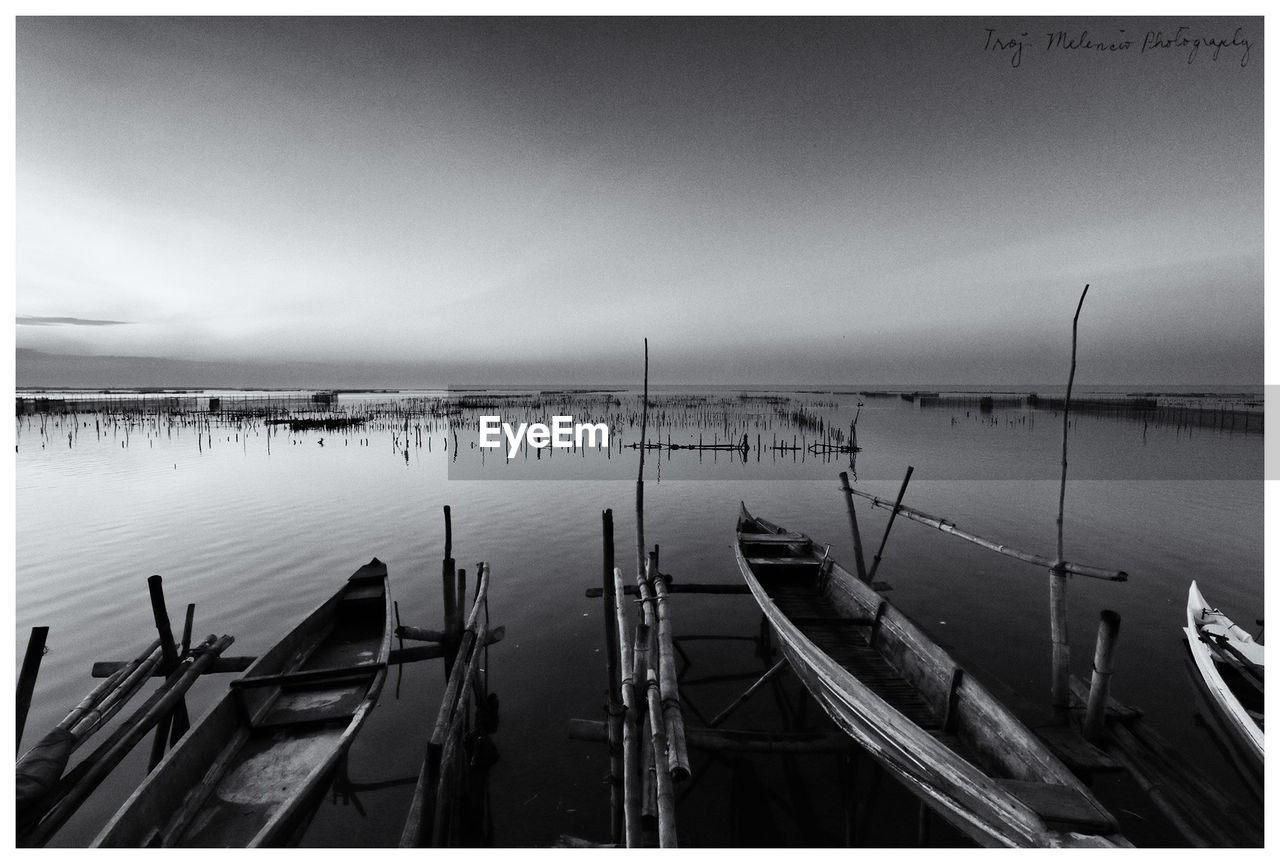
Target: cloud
point(45, 321)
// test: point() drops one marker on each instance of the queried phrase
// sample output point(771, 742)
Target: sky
point(418, 202)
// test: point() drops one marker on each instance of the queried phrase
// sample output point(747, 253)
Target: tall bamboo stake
point(630, 726)
point(678, 755)
point(662, 776)
point(1096, 709)
point(644, 427)
point(1061, 691)
point(613, 699)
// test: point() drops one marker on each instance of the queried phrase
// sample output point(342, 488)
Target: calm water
point(257, 527)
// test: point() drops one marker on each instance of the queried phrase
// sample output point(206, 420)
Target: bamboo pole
point(853, 526)
point(949, 527)
point(893, 514)
point(1096, 710)
point(641, 657)
point(420, 822)
point(1061, 690)
point(132, 681)
point(27, 677)
point(630, 726)
point(40, 768)
point(662, 775)
point(444, 825)
point(89, 773)
point(748, 693)
point(667, 678)
point(644, 427)
point(613, 698)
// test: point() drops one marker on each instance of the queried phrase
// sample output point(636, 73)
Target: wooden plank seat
point(311, 677)
point(1060, 805)
point(785, 561)
point(775, 540)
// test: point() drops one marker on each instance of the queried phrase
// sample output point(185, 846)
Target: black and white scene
point(567, 431)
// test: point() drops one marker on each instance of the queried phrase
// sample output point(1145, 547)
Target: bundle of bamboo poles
point(435, 814)
point(643, 696)
point(40, 768)
point(52, 809)
point(46, 798)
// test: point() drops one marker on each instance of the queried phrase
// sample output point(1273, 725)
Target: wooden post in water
point(176, 723)
point(1096, 711)
point(853, 526)
point(1061, 689)
point(27, 677)
point(893, 514)
point(449, 593)
point(613, 698)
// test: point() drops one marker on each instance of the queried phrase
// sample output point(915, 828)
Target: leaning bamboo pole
point(420, 822)
point(445, 823)
point(853, 527)
point(949, 527)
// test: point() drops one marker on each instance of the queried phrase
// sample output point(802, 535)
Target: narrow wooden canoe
point(250, 772)
point(889, 686)
point(1230, 666)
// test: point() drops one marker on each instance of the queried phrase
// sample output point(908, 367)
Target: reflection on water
point(255, 522)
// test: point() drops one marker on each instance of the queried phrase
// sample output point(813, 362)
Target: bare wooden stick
point(1061, 690)
point(893, 514)
point(750, 691)
point(27, 677)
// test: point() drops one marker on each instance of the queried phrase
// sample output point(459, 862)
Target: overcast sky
point(769, 200)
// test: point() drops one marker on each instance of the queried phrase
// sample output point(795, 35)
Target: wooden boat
point(889, 686)
point(1230, 666)
point(250, 772)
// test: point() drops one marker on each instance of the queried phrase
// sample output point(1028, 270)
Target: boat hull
point(1239, 733)
point(251, 770)
point(983, 804)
